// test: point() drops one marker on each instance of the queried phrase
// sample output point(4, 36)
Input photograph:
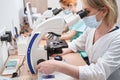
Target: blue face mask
point(91, 21)
point(66, 11)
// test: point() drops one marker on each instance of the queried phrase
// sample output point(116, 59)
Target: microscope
point(51, 12)
point(4, 40)
point(54, 27)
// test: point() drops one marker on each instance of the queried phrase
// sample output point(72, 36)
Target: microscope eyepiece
point(5, 37)
point(82, 13)
point(56, 11)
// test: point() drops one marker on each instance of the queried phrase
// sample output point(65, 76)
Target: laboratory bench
point(24, 73)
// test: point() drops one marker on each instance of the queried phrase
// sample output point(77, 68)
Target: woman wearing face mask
point(102, 44)
point(69, 6)
point(73, 32)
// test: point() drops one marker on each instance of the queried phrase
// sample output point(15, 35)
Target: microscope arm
point(34, 50)
point(55, 25)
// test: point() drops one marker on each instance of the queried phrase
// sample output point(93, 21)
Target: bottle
point(4, 51)
point(1, 62)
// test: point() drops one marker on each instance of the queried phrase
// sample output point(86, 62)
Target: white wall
point(53, 3)
point(10, 12)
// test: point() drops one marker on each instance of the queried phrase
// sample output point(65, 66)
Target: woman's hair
point(25, 28)
point(67, 2)
point(111, 5)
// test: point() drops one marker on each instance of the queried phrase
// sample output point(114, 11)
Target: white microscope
point(5, 40)
point(47, 14)
point(56, 26)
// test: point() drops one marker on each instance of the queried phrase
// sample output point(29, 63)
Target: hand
point(66, 29)
point(48, 67)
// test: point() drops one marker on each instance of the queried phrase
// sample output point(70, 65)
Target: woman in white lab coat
point(101, 43)
point(76, 30)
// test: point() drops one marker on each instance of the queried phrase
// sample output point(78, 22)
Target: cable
point(15, 74)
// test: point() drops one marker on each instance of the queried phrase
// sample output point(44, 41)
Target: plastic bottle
point(4, 51)
point(1, 62)
point(3, 54)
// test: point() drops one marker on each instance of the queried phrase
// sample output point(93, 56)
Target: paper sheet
point(4, 78)
point(10, 70)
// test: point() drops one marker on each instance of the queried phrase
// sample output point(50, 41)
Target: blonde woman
point(102, 44)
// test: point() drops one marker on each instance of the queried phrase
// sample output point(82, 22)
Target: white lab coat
point(104, 55)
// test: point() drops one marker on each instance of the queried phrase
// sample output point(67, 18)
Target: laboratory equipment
point(3, 48)
point(56, 25)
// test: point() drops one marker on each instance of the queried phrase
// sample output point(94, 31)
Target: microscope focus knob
point(40, 60)
point(58, 57)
